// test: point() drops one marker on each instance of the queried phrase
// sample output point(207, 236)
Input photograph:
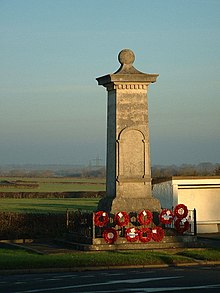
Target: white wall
point(203, 194)
point(207, 204)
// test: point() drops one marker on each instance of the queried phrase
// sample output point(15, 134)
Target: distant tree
point(202, 169)
point(205, 169)
point(17, 173)
point(217, 171)
point(93, 172)
point(187, 170)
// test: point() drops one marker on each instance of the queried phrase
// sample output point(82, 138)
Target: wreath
point(101, 218)
point(181, 211)
point(145, 217)
point(131, 234)
point(181, 225)
point(110, 235)
point(145, 234)
point(122, 219)
point(166, 216)
point(157, 234)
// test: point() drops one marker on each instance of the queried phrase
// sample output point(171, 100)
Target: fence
point(80, 224)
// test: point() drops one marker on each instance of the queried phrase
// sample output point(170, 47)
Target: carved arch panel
point(131, 154)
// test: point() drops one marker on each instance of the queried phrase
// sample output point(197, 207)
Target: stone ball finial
point(126, 56)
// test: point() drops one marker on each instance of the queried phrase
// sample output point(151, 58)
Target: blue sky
point(53, 112)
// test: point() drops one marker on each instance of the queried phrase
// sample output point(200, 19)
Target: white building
point(201, 193)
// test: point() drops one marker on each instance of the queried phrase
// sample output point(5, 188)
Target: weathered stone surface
point(98, 244)
point(126, 56)
point(128, 204)
point(128, 153)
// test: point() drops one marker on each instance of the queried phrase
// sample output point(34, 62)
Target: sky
point(52, 110)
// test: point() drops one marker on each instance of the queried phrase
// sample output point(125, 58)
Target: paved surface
point(209, 240)
point(41, 247)
point(202, 279)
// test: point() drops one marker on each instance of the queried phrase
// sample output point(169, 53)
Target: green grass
point(46, 205)
point(50, 185)
point(54, 184)
point(202, 254)
point(21, 259)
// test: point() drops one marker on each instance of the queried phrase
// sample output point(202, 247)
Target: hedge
point(76, 194)
point(31, 226)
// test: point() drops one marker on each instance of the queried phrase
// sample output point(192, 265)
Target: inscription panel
point(131, 154)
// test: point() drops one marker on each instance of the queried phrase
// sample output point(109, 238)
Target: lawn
point(202, 254)
point(45, 185)
point(21, 259)
point(46, 205)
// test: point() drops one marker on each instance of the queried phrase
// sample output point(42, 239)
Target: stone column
point(128, 153)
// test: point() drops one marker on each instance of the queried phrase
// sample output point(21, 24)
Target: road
point(173, 279)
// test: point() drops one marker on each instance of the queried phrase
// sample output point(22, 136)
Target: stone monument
point(128, 185)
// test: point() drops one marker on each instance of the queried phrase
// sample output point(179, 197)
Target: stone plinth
point(99, 244)
point(128, 151)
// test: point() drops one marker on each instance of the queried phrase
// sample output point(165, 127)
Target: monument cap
point(126, 56)
point(127, 72)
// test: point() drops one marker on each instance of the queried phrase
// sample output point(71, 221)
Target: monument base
point(99, 244)
point(115, 205)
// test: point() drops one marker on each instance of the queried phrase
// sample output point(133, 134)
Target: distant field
point(25, 184)
point(45, 205)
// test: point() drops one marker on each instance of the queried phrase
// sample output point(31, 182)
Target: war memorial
point(129, 217)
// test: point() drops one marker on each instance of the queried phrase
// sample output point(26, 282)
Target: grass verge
point(202, 254)
point(21, 259)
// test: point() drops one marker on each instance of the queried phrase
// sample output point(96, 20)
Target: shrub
point(75, 194)
point(30, 225)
